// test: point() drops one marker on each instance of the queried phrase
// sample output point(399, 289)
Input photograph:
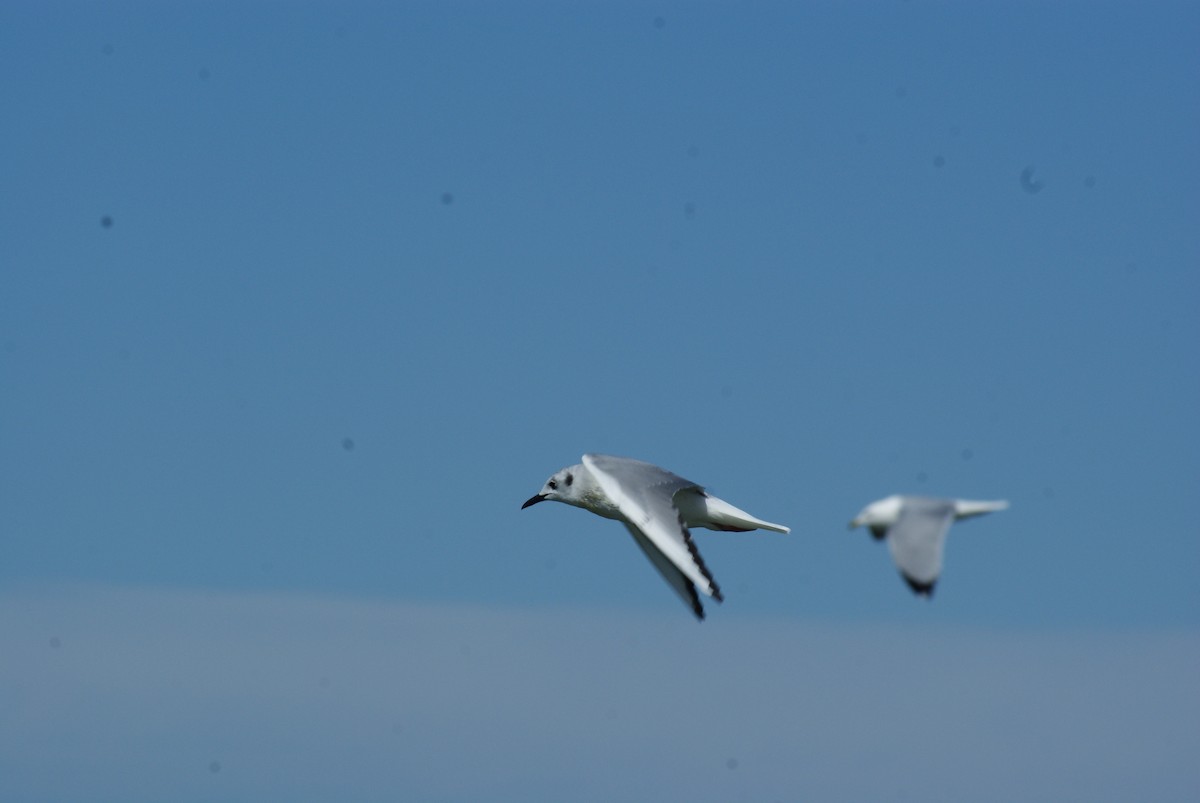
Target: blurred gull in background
point(915, 528)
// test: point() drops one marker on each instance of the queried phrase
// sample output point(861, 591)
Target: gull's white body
point(657, 507)
point(915, 528)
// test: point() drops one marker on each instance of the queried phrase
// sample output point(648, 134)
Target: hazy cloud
point(144, 694)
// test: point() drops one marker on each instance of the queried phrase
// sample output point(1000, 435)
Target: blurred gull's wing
point(916, 541)
point(644, 494)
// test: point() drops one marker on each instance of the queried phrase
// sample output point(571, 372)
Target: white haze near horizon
point(150, 694)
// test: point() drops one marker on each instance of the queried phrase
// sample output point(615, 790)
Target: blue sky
point(300, 302)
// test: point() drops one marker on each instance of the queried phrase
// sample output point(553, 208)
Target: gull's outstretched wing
point(916, 541)
point(645, 493)
point(684, 587)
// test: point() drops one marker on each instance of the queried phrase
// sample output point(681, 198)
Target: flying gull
point(657, 507)
point(915, 528)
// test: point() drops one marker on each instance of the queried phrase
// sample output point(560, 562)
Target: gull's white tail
point(965, 508)
point(717, 514)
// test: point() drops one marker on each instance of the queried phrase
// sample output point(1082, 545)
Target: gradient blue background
point(299, 302)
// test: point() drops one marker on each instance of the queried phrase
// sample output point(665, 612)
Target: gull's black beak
point(533, 500)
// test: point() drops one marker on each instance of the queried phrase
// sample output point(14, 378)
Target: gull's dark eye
point(570, 479)
point(552, 484)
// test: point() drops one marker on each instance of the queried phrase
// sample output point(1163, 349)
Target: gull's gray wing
point(917, 538)
point(684, 587)
point(645, 494)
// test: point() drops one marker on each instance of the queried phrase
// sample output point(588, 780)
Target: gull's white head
point(882, 513)
point(563, 486)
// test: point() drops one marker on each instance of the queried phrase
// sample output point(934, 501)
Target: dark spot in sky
point(214, 767)
point(922, 476)
point(107, 49)
point(55, 643)
point(397, 728)
point(1028, 184)
point(447, 198)
point(689, 210)
point(901, 91)
point(967, 454)
point(348, 444)
point(939, 161)
point(1131, 267)
point(1048, 492)
point(732, 763)
point(204, 74)
point(106, 222)
point(955, 131)
point(1089, 182)
point(860, 138)
point(660, 23)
